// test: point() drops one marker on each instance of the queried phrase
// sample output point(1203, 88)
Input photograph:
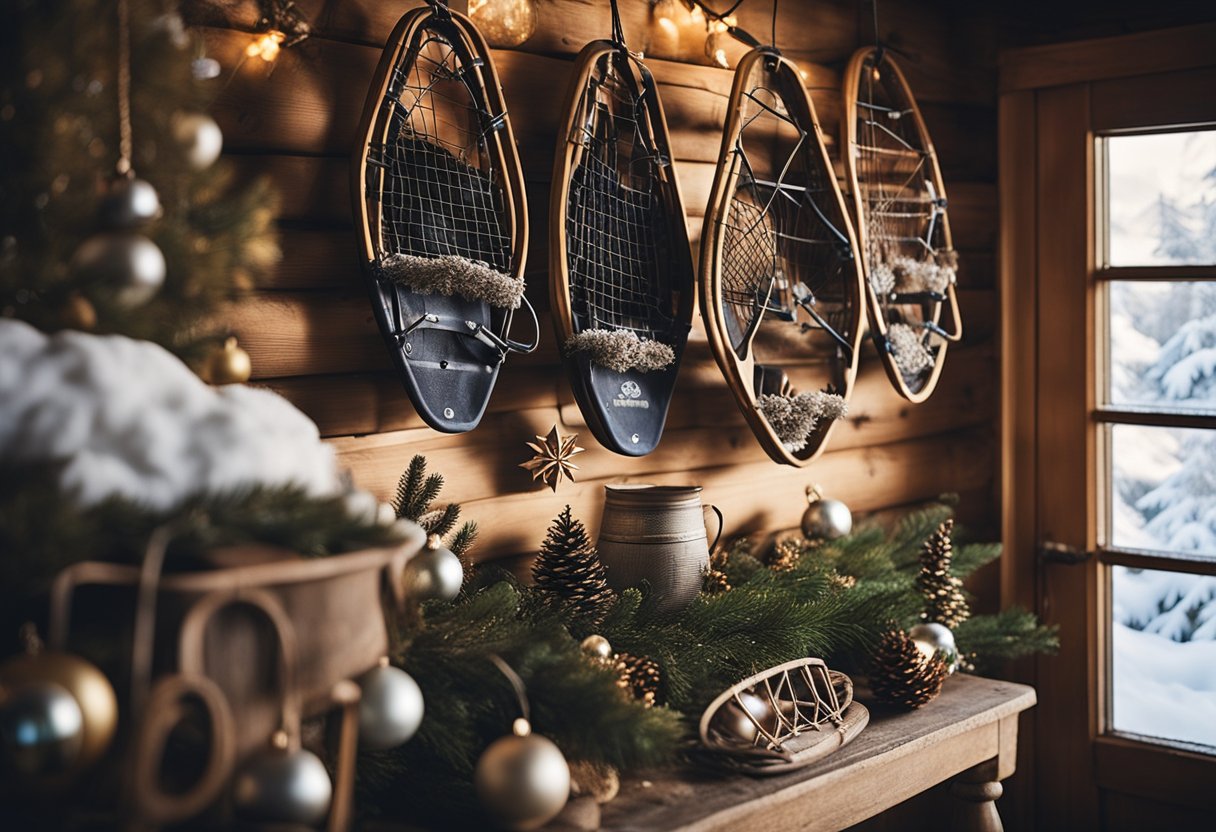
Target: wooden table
point(969, 733)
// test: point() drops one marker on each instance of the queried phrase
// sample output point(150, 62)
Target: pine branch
point(986, 641)
point(443, 521)
point(421, 503)
point(970, 557)
point(464, 539)
point(409, 487)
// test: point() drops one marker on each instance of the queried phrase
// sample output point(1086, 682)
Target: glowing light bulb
point(665, 12)
point(714, 50)
point(505, 23)
point(266, 46)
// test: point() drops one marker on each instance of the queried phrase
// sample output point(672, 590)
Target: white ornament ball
point(936, 640)
point(826, 520)
point(130, 264)
point(434, 573)
point(129, 203)
point(522, 781)
point(200, 138)
point(390, 710)
point(283, 786)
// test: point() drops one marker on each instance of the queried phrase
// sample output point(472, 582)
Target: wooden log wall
point(310, 331)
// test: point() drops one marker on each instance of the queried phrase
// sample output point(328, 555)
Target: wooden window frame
point(1025, 74)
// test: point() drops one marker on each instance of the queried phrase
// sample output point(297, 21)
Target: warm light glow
point(720, 58)
point(697, 15)
point(714, 50)
point(266, 46)
point(805, 75)
point(717, 27)
point(665, 12)
point(504, 23)
point(731, 21)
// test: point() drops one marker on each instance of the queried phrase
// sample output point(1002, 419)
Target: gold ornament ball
point(522, 781)
point(78, 313)
point(597, 648)
point(504, 23)
point(86, 684)
point(228, 364)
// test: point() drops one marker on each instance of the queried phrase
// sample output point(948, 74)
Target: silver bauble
point(390, 710)
point(129, 203)
point(936, 640)
point(826, 520)
point(434, 573)
point(522, 781)
point(597, 648)
point(41, 730)
point(200, 138)
point(130, 264)
point(735, 718)
point(281, 786)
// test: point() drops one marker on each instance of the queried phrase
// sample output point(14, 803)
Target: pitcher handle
point(721, 525)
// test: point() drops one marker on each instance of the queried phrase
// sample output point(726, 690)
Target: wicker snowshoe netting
point(780, 283)
point(781, 719)
point(899, 204)
point(620, 267)
point(440, 194)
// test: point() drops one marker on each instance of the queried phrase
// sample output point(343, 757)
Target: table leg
point(976, 791)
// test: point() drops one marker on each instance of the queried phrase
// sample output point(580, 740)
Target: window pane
point(1162, 199)
point(1163, 655)
point(1163, 344)
point(1163, 494)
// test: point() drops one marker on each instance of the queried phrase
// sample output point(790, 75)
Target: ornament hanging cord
point(124, 90)
point(517, 684)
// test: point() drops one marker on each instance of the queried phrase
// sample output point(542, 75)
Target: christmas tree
point(117, 215)
point(945, 602)
point(570, 574)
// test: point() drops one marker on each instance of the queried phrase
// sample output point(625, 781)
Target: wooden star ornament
point(551, 458)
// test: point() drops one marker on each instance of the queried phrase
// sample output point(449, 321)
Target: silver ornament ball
point(826, 520)
point(129, 203)
point(41, 730)
point(522, 781)
point(737, 719)
point(200, 138)
point(434, 573)
point(390, 710)
point(283, 786)
point(597, 648)
point(130, 264)
point(936, 640)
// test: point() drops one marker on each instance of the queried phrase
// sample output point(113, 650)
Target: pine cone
point(945, 602)
point(569, 571)
point(639, 676)
point(902, 675)
point(715, 581)
point(785, 556)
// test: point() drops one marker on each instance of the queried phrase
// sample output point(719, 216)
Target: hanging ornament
point(640, 677)
point(200, 138)
point(391, 708)
point(41, 731)
point(902, 675)
point(504, 23)
point(88, 687)
point(551, 460)
point(283, 785)
point(129, 203)
point(825, 519)
point(130, 265)
point(434, 573)
point(522, 780)
point(78, 312)
point(936, 641)
point(227, 364)
point(597, 648)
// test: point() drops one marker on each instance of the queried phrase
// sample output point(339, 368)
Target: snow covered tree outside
point(1162, 211)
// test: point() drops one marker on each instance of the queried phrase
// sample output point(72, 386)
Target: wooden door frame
point(1039, 84)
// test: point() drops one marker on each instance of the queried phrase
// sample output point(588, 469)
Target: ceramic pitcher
point(656, 533)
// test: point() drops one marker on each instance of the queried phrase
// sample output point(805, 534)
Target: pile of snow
point(1164, 688)
point(127, 418)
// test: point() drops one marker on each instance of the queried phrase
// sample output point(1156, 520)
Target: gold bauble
point(738, 718)
point(228, 364)
point(87, 685)
point(78, 312)
point(522, 780)
point(504, 23)
point(598, 649)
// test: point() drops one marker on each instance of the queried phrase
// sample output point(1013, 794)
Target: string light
point(665, 12)
point(266, 46)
